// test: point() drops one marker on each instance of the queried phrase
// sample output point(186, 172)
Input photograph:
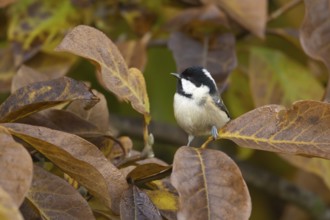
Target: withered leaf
point(251, 14)
point(302, 129)
point(8, 208)
point(219, 59)
point(135, 204)
point(113, 73)
point(41, 95)
point(78, 158)
point(146, 172)
point(314, 34)
point(54, 198)
point(271, 70)
point(16, 167)
point(209, 184)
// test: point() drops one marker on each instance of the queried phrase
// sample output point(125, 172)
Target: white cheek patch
point(208, 74)
point(197, 92)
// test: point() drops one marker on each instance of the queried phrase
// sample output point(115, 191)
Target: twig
point(283, 9)
point(253, 175)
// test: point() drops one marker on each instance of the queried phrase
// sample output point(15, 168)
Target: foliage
point(61, 155)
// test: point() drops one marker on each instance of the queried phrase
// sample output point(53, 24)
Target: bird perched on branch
point(198, 107)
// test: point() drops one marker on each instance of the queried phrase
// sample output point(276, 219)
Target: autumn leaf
point(41, 95)
point(209, 184)
point(135, 204)
point(314, 35)
point(8, 208)
point(16, 167)
point(78, 158)
point(270, 72)
point(302, 129)
point(251, 14)
point(54, 198)
point(113, 72)
point(219, 58)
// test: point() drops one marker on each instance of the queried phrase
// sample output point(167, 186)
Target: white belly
point(197, 119)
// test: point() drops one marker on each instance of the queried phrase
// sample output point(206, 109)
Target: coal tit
point(198, 107)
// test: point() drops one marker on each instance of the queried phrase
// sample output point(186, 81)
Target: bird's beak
point(177, 75)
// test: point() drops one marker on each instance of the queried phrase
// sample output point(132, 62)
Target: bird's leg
point(190, 138)
point(214, 132)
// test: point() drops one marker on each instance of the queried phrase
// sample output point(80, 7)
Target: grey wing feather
point(219, 103)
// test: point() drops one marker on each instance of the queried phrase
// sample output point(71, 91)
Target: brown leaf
point(302, 129)
point(134, 52)
point(219, 58)
point(54, 198)
point(78, 158)
point(8, 208)
point(314, 34)
point(113, 73)
point(209, 184)
point(16, 167)
point(146, 172)
point(251, 14)
point(98, 115)
point(135, 204)
point(42, 95)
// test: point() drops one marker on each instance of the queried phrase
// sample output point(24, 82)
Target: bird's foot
point(214, 132)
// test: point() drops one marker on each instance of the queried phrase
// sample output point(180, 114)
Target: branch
point(283, 9)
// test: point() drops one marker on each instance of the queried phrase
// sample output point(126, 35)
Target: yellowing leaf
point(164, 200)
point(302, 129)
point(8, 209)
point(277, 79)
point(113, 73)
point(78, 158)
point(16, 167)
point(41, 95)
point(209, 184)
point(54, 198)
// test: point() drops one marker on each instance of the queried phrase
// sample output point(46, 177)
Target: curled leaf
point(209, 184)
point(54, 198)
point(41, 95)
point(113, 73)
point(16, 167)
point(78, 158)
point(302, 129)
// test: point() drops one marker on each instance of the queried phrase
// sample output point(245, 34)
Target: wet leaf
point(98, 115)
point(219, 58)
point(42, 95)
point(16, 167)
point(54, 198)
point(78, 158)
point(113, 73)
point(209, 184)
point(270, 73)
point(135, 204)
point(8, 208)
point(302, 129)
point(251, 14)
point(134, 52)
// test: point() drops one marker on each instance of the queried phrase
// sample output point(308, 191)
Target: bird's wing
point(219, 103)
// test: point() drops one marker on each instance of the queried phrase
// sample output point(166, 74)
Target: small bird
point(198, 107)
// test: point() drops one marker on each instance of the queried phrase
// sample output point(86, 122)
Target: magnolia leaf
point(302, 129)
point(209, 184)
point(8, 208)
point(113, 73)
point(54, 198)
point(135, 204)
point(314, 34)
point(78, 158)
point(251, 14)
point(270, 71)
point(16, 167)
point(219, 58)
point(41, 95)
